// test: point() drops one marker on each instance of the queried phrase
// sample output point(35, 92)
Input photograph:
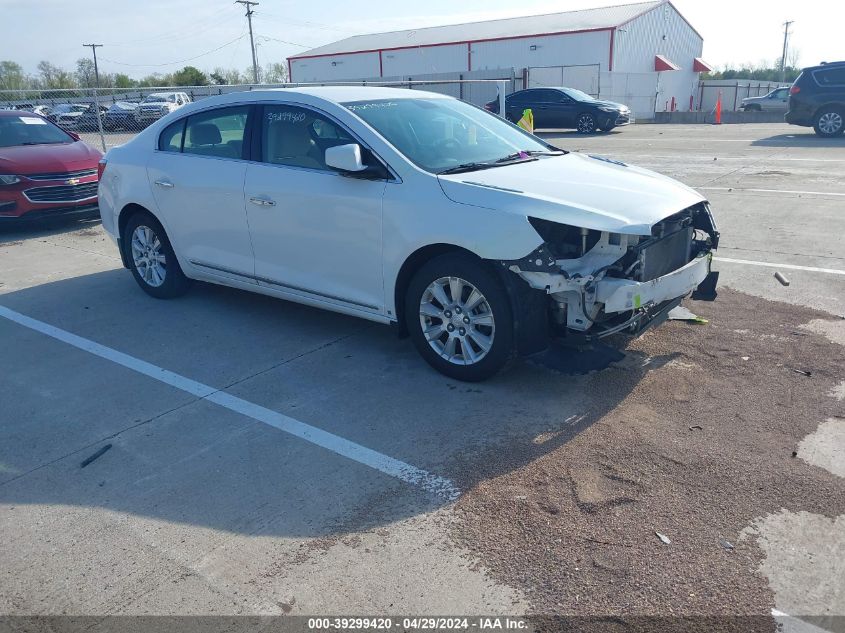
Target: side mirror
point(345, 158)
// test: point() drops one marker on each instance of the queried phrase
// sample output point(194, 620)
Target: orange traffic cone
point(719, 109)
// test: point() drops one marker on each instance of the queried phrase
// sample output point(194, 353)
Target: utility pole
point(249, 4)
point(786, 26)
point(94, 48)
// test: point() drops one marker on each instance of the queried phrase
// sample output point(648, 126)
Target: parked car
point(158, 104)
point(817, 99)
point(44, 170)
point(564, 108)
point(776, 101)
point(87, 121)
point(120, 116)
point(476, 238)
point(65, 114)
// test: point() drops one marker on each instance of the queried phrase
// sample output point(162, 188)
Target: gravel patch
point(692, 436)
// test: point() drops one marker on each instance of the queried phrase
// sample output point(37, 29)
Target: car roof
point(18, 113)
point(825, 65)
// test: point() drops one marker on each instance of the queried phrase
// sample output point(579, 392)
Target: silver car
point(776, 101)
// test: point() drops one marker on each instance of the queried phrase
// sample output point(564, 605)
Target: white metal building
point(646, 53)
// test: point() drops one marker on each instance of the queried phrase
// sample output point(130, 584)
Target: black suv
point(817, 99)
point(563, 108)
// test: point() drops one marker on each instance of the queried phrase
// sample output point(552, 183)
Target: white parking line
point(400, 470)
point(749, 262)
point(791, 624)
point(806, 193)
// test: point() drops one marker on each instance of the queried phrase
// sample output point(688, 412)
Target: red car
point(44, 170)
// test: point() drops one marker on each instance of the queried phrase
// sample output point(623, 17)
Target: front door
point(315, 231)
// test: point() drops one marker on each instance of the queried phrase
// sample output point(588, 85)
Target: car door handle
point(263, 202)
point(165, 183)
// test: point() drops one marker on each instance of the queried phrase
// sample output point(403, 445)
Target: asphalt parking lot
point(268, 458)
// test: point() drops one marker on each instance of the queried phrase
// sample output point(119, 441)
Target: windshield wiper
point(457, 169)
point(528, 154)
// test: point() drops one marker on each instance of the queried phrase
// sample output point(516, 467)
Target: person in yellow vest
point(527, 121)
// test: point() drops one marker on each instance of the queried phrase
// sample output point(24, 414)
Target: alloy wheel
point(830, 122)
point(457, 320)
point(148, 256)
point(586, 124)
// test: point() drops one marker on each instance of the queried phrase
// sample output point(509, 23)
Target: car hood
point(40, 159)
point(607, 104)
point(752, 99)
point(575, 189)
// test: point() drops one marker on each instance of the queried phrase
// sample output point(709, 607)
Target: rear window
point(831, 77)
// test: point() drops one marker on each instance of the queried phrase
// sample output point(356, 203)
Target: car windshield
point(122, 105)
point(577, 94)
point(29, 130)
point(442, 134)
point(158, 98)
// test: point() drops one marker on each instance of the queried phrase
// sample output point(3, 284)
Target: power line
point(178, 61)
point(276, 39)
point(249, 4)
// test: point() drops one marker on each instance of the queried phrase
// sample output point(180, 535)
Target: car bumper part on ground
point(620, 295)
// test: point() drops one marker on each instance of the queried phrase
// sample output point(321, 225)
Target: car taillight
point(794, 90)
point(101, 167)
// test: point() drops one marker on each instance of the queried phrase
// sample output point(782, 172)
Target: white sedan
point(475, 238)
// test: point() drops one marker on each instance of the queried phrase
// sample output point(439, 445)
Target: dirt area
point(701, 442)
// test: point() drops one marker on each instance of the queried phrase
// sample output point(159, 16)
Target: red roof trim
point(489, 39)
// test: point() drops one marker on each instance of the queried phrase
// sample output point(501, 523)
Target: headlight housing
point(9, 179)
point(608, 109)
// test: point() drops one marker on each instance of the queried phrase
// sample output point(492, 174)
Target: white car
point(478, 239)
point(158, 104)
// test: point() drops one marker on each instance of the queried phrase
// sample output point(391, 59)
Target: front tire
point(459, 316)
point(829, 122)
point(151, 258)
point(586, 123)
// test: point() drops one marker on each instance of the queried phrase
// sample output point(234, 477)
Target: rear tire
point(829, 122)
point(459, 316)
point(151, 258)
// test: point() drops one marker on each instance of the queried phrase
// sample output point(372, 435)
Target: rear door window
point(299, 137)
point(218, 133)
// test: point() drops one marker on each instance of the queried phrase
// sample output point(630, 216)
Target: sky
point(141, 37)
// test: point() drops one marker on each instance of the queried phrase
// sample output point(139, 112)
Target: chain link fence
point(108, 117)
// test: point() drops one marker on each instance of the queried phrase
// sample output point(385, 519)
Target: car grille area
point(64, 193)
point(63, 175)
point(665, 254)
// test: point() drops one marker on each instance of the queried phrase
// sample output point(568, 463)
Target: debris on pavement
point(663, 538)
point(680, 313)
point(726, 544)
point(696, 427)
point(783, 280)
point(803, 372)
point(96, 455)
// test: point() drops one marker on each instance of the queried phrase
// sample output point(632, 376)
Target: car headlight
point(608, 109)
point(9, 180)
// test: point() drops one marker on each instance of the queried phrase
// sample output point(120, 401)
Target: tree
point(275, 73)
point(218, 76)
point(12, 76)
point(51, 76)
point(85, 73)
point(189, 76)
point(124, 81)
point(151, 81)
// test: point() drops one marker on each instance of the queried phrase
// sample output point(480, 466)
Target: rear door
point(197, 177)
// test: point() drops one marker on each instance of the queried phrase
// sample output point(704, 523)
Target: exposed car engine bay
point(609, 282)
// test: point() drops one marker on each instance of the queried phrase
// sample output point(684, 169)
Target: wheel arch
point(410, 266)
point(122, 220)
point(528, 306)
point(832, 105)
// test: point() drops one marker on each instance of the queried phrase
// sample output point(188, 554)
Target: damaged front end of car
point(601, 283)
